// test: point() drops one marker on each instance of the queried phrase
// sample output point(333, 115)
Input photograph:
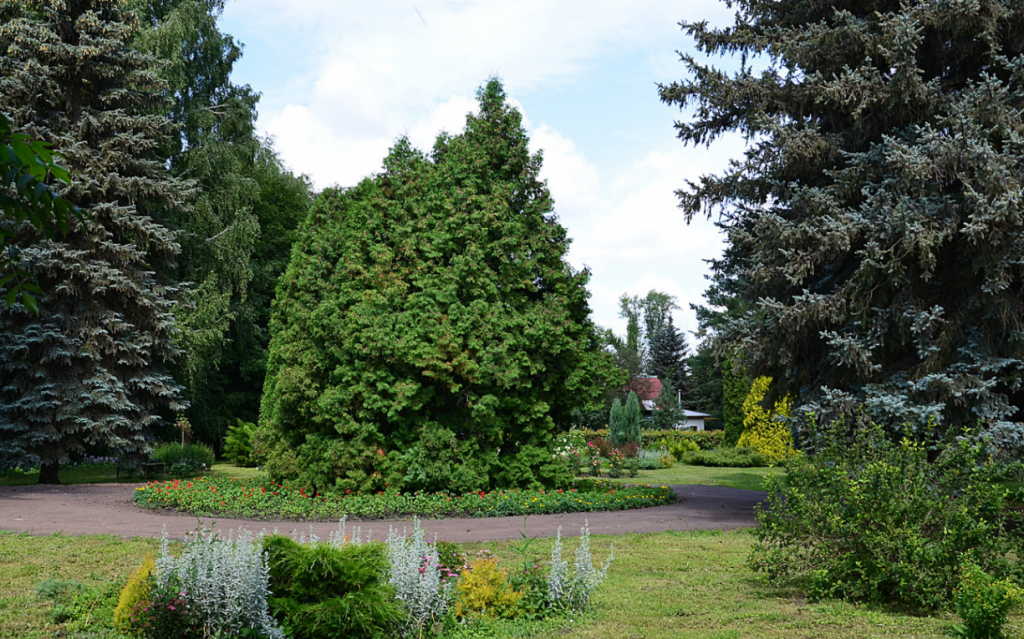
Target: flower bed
point(263, 499)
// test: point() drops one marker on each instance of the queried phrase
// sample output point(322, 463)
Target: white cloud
point(358, 75)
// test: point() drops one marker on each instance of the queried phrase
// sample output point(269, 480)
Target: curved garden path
point(107, 509)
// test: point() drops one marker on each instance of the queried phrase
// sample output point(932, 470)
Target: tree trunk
point(48, 473)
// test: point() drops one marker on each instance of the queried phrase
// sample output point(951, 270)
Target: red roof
point(645, 387)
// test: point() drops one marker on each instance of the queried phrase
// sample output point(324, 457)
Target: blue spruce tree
point(89, 372)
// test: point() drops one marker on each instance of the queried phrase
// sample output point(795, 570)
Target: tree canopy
point(236, 236)
point(428, 331)
point(874, 221)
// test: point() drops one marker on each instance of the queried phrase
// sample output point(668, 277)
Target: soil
point(107, 509)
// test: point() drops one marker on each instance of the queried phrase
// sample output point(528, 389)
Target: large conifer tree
point(428, 331)
point(876, 218)
point(90, 371)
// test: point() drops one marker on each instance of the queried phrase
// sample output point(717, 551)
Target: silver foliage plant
point(415, 573)
point(224, 581)
point(571, 587)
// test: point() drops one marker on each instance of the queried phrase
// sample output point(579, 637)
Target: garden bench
point(145, 469)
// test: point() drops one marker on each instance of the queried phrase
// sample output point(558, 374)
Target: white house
point(694, 420)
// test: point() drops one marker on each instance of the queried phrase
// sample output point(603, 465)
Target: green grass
point(106, 474)
point(665, 585)
point(86, 474)
point(25, 561)
point(227, 469)
point(747, 478)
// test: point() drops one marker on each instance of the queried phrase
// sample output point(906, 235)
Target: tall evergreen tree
point(875, 217)
point(90, 371)
point(669, 353)
point(428, 330)
point(236, 237)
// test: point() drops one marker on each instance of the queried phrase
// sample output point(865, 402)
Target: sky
point(340, 81)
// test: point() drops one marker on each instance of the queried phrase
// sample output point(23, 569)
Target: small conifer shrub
point(321, 589)
point(484, 590)
point(134, 594)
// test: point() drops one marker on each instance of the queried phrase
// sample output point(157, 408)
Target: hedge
point(706, 439)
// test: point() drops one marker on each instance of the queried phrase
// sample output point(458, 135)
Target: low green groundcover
point(263, 499)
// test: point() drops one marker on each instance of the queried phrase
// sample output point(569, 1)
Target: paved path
point(106, 508)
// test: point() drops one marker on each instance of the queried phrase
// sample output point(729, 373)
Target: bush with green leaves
point(654, 459)
point(189, 459)
point(869, 518)
point(724, 458)
point(238, 444)
point(983, 602)
point(679, 448)
point(705, 439)
point(331, 590)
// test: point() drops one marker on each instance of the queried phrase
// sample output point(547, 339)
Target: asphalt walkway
point(107, 509)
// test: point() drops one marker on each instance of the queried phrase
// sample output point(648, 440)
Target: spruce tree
point(89, 373)
point(428, 331)
point(668, 412)
point(668, 356)
point(874, 220)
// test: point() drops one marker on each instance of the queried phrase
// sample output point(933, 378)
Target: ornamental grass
point(262, 499)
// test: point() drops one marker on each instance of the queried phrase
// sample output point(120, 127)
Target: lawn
point(27, 561)
point(107, 474)
point(660, 585)
point(747, 478)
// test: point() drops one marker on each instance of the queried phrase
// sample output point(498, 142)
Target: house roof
point(694, 414)
point(646, 388)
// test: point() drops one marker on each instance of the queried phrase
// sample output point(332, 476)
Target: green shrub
point(183, 460)
point(867, 518)
point(983, 603)
point(705, 439)
point(238, 444)
point(725, 458)
point(484, 590)
point(323, 591)
point(680, 447)
point(135, 593)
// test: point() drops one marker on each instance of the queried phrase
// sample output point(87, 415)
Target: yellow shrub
point(484, 590)
point(762, 431)
point(136, 591)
